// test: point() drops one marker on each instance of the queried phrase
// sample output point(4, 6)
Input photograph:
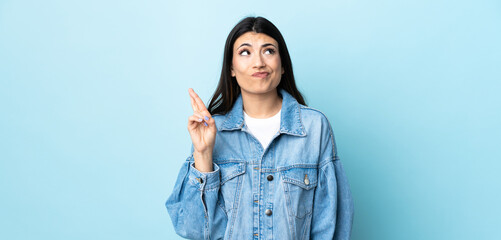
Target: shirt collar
point(290, 117)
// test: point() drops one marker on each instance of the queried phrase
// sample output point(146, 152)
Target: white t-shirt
point(263, 128)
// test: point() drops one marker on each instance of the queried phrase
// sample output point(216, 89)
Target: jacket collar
point(290, 119)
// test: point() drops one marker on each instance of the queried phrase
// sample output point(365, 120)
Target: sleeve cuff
point(204, 180)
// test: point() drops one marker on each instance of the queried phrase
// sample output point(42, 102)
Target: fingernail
point(206, 118)
point(205, 124)
point(199, 119)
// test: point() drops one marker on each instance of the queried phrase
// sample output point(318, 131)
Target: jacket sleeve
point(193, 205)
point(333, 204)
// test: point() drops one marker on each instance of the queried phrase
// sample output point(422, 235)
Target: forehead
point(255, 39)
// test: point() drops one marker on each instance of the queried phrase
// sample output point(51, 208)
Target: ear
point(283, 70)
point(232, 72)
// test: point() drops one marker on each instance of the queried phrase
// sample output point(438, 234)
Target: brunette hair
point(227, 89)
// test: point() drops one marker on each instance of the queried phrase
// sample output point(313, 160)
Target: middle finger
point(193, 104)
point(199, 102)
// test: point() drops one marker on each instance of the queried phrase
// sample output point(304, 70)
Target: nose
point(258, 61)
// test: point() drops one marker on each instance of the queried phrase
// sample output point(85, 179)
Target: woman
point(263, 164)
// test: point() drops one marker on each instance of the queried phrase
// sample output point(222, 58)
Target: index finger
point(199, 103)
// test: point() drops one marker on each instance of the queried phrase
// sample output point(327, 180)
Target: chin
point(258, 90)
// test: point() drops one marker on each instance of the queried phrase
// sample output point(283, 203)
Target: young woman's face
point(256, 63)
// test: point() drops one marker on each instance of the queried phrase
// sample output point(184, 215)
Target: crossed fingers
point(198, 106)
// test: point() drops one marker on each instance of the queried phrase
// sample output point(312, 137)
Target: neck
point(261, 105)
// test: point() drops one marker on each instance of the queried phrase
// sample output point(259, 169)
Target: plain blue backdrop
point(94, 106)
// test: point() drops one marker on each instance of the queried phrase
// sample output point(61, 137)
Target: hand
point(202, 129)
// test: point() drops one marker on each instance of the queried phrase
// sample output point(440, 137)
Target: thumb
point(211, 122)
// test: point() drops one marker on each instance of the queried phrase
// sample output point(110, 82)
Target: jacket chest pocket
point(299, 188)
point(231, 182)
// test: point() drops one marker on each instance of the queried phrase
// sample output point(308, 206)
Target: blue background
point(94, 106)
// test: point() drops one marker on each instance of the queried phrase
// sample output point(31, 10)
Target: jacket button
point(270, 177)
point(268, 212)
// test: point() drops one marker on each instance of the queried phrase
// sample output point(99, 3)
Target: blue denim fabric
point(298, 180)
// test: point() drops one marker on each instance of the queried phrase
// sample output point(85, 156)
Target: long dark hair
point(227, 89)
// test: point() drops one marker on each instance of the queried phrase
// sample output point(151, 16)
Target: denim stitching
point(235, 205)
point(287, 200)
point(307, 226)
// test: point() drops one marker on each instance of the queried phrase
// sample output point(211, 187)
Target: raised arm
point(203, 135)
point(193, 205)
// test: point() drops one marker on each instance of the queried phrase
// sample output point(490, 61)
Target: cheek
point(236, 66)
point(275, 62)
point(239, 68)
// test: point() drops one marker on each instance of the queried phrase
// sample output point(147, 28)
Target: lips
point(260, 74)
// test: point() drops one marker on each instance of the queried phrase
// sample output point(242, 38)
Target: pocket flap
point(303, 177)
point(231, 170)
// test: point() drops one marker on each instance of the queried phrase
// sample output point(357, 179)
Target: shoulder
point(318, 123)
point(313, 116)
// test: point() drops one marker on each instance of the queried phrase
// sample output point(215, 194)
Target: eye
point(244, 53)
point(270, 51)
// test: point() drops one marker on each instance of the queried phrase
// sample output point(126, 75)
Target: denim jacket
point(296, 188)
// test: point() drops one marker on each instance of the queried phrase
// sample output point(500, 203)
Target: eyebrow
point(264, 45)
